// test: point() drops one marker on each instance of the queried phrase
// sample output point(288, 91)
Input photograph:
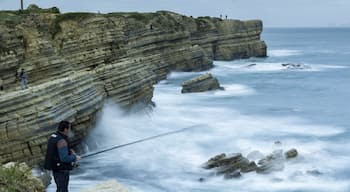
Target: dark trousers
point(61, 180)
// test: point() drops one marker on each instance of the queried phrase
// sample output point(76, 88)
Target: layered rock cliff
point(75, 61)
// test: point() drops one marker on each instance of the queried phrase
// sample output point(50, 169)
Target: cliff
point(75, 61)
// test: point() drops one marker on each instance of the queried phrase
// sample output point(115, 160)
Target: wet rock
point(201, 83)
point(250, 65)
point(214, 161)
point(109, 186)
point(230, 166)
point(314, 172)
point(278, 143)
point(272, 162)
point(292, 153)
point(233, 175)
point(249, 168)
point(294, 66)
point(235, 165)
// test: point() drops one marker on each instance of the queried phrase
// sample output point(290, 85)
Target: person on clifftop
point(59, 157)
point(23, 77)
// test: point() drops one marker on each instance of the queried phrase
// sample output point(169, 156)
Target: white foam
point(235, 90)
point(173, 163)
point(283, 52)
point(272, 67)
point(175, 75)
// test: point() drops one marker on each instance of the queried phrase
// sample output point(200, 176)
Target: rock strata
point(201, 83)
point(75, 61)
point(235, 165)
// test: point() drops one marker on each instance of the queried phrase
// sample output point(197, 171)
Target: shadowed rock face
point(75, 61)
point(201, 83)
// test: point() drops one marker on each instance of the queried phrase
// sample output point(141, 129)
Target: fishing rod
point(139, 141)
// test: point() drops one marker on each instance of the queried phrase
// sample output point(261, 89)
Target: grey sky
point(274, 13)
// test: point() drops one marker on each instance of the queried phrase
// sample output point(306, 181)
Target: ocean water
point(305, 107)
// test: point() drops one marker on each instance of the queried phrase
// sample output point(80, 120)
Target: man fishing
point(59, 157)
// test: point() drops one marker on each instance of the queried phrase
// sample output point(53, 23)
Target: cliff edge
point(75, 61)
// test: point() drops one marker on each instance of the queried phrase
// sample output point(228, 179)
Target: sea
point(297, 96)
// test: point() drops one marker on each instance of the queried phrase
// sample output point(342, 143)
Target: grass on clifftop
point(79, 16)
point(18, 178)
point(142, 17)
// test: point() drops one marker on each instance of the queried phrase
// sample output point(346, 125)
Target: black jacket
point(52, 159)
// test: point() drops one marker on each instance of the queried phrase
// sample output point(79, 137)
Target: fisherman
point(23, 77)
point(226, 16)
point(59, 157)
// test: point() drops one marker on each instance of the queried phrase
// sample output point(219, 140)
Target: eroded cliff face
point(76, 60)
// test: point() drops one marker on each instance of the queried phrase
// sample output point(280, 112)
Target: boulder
point(292, 153)
point(231, 166)
point(201, 83)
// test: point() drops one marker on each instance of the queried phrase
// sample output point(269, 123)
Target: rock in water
point(230, 166)
point(109, 186)
point(292, 153)
point(234, 165)
point(294, 66)
point(201, 83)
point(272, 162)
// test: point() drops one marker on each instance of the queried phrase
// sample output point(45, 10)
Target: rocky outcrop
point(75, 61)
point(231, 166)
point(234, 165)
point(295, 66)
point(201, 83)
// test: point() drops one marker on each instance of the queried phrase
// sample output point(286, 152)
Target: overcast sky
point(274, 13)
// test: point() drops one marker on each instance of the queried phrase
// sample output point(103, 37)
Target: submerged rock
point(201, 83)
point(109, 186)
point(314, 172)
point(250, 65)
point(272, 162)
point(294, 66)
point(292, 153)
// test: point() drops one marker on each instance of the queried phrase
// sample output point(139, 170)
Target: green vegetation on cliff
point(16, 177)
point(78, 16)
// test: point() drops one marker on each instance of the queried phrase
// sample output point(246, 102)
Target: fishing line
point(139, 141)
